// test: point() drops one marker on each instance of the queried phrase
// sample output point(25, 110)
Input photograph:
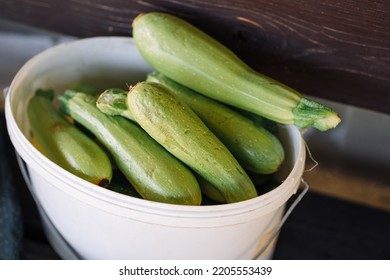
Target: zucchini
point(210, 191)
point(255, 148)
point(178, 129)
point(151, 170)
point(120, 184)
point(64, 144)
point(189, 56)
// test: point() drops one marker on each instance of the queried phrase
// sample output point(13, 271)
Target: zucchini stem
point(309, 112)
point(113, 102)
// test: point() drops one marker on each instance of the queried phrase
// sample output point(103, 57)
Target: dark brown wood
point(338, 50)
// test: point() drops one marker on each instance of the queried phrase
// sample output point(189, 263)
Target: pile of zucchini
point(180, 136)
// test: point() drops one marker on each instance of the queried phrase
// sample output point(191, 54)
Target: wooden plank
point(330, 49)
point(352, 184)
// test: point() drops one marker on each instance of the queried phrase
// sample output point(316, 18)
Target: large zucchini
point(255, 148)
point(177, 128)
point(189, 56)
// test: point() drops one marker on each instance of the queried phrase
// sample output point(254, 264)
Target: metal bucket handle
point(283, 220)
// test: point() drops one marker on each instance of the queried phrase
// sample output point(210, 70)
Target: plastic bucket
point(100, 224)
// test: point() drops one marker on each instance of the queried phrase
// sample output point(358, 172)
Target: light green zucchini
point(63, 143)
point(178, 129)
point(189, 56)
point(255, 148)
point(152, 171)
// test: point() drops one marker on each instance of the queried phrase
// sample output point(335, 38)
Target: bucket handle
point(283, 220)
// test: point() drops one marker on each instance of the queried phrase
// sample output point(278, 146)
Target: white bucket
point(101, 224)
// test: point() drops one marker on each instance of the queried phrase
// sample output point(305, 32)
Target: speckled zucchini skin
point(255, 148)
point(177, 128)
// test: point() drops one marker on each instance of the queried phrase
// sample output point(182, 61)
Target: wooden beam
point(338, 50)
